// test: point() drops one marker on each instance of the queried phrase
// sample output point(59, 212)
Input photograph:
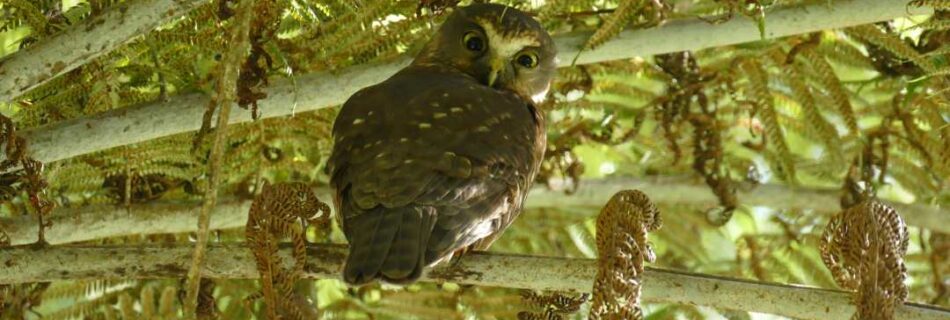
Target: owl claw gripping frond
point(434, 159)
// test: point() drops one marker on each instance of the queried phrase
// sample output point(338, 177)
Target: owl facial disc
point(499, 46)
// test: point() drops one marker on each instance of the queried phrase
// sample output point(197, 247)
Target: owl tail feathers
point(388, 244)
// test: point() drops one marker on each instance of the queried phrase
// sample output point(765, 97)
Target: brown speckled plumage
point(434, 160)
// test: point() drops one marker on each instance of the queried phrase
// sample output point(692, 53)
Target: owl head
point(500, 46)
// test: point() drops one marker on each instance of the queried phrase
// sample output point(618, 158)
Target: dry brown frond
point(622, 228)
point(282, 210)
point(29, 180)
point(864, 246)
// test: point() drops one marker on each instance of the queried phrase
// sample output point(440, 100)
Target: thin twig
point(224, 97)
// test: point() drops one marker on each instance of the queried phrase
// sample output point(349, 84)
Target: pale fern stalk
point(235, 261)
point(182, 113)
point(229, 70)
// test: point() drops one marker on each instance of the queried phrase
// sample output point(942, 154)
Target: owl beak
point(497, 66)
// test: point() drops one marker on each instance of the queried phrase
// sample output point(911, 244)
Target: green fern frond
point(615, 23)
point(830, 83)
point(843, 53)
point(74, 177)
point(758, 90)
point(30, 15)
point(803, 95)
point(87, 306)
point(912, 175)
point(891, 43)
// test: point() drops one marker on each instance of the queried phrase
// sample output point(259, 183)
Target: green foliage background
point(869, 103)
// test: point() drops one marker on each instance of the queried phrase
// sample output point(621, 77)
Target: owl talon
point(456, 259)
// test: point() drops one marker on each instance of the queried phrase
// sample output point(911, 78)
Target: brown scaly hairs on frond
point(29, 180)
point(554, 305)
point(282, 210)
point(864, 246)
point(253, 76)
point(250, 75)
point(622, 247)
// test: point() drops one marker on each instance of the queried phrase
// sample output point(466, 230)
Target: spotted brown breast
point(426, 163)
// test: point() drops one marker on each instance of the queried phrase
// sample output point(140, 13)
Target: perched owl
point(439, 157)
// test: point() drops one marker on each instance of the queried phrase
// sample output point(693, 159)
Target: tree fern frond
point(758, 90)
point(912, 176)
point(802, 93)
point(826, 76)
point(30, 14)
point(615, 23)
point(891, 43)
point(86, 307)
point(844, 53)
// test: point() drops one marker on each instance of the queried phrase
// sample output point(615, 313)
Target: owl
point(438, 159)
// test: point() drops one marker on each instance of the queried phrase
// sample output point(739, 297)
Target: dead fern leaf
point(282, 210)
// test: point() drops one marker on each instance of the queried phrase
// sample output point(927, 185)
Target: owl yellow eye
point(527, 60)
point(473, 42)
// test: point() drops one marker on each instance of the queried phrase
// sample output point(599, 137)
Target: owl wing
point(426, 163)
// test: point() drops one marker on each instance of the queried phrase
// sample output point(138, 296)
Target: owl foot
point(456, 259)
